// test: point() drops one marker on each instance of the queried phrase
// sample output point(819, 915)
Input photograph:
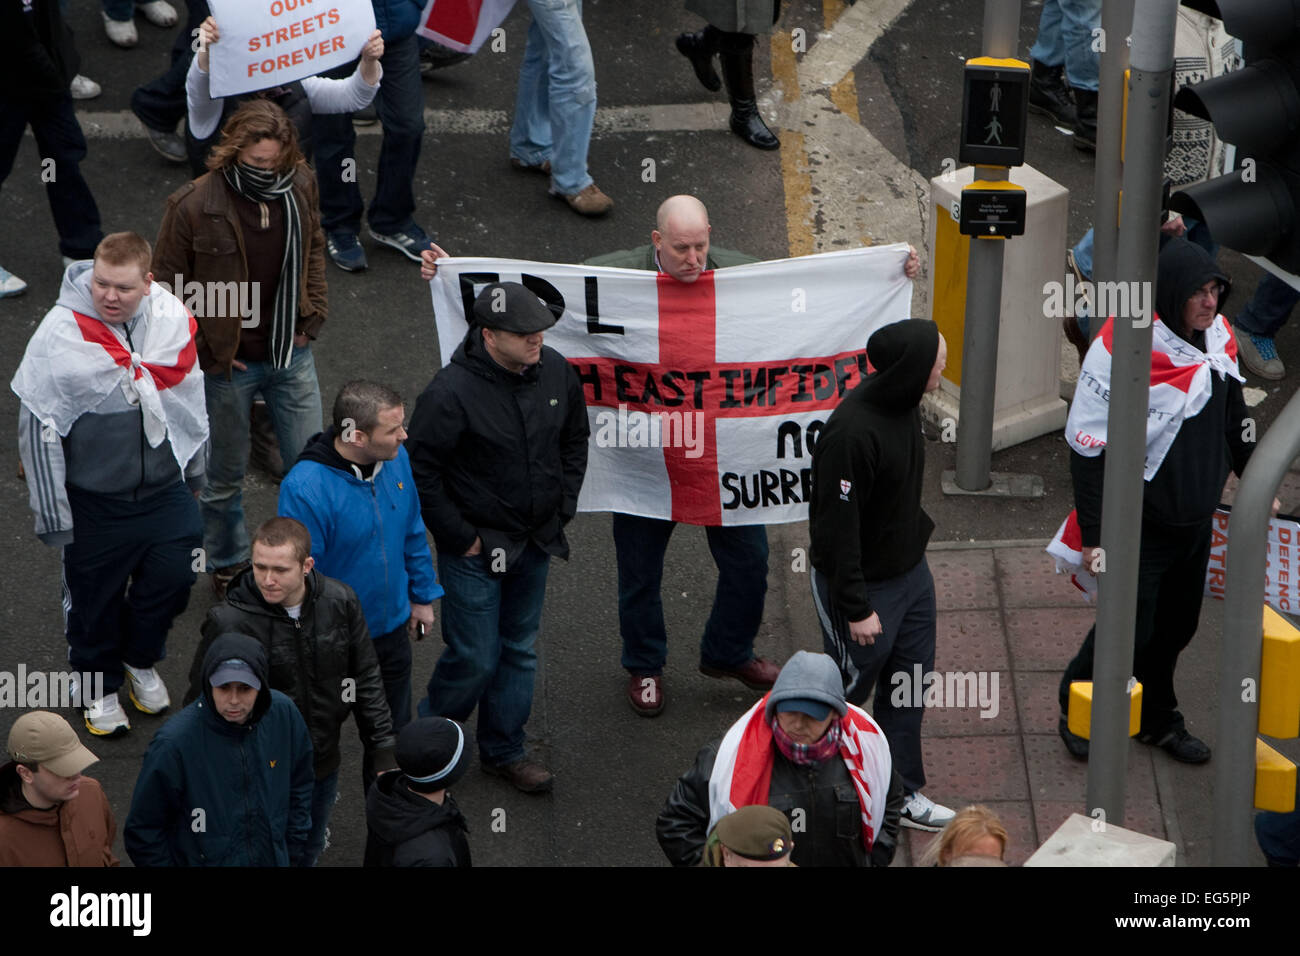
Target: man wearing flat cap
point(411, 817)
point(498, 447)
point(50, 815)
point(752, 836)
point(819, 760)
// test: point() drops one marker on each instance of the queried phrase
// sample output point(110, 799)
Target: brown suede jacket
point(200, 240)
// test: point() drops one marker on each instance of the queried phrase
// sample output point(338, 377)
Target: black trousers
point(1171, 583)
point(160, 103)
point(126, 577)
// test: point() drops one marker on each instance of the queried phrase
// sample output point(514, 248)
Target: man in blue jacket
point(228, 781)
point(353, 489)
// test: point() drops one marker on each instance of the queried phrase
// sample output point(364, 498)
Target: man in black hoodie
point(871, 584)
point(1178, 500)
point(411, 818)
point(498, 447)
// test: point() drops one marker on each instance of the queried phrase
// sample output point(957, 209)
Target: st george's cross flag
point(462, 25)
point(74, 361)
point(1180, 387)
point(704, 398)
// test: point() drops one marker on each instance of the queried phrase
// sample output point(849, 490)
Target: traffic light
point(1255, 209)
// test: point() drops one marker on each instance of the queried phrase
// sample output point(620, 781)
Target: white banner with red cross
point(266, 43)
point(462, 25)
point(704, 398)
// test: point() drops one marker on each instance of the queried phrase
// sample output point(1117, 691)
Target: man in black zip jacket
point(871, 584)
point(1178, 500)
point(411, 818)
point(321, 655)
point(498, 447)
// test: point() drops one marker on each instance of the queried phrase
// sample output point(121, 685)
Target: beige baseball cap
point(43, 738)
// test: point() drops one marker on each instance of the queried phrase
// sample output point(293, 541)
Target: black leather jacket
point(310, 661)
point(827, 833)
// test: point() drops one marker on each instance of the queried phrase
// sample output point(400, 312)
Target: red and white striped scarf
point(742, 772)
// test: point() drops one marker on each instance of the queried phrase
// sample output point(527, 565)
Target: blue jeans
point(740, 552)
point(489, 624)
point(400, 107)
point(324, 794)
point(1065, 36)
point(58, 138)
point(1269, 308)
point(293, 398)
point(556, 105)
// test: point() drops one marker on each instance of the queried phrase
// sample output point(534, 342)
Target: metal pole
point(1152, 59)
point(1240, 652)
point(983, 297)
point(1116, 21)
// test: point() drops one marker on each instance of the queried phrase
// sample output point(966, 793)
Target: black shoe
point(1085, 126)
point(1048, 94)
point(1078, 746)
point(738, 71)
point(1179, 744)
point(697, 48)
point(435, 56)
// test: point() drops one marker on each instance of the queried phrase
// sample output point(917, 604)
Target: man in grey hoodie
point(113, 437)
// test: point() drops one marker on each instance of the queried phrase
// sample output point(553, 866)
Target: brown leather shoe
point(646, 695)
point(757, 674)
point(590, 202)
point(527, 775)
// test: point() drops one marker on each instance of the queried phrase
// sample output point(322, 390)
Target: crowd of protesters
point(135, 439)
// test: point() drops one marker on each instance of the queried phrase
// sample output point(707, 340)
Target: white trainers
point(121, 32)
point(84, 88)
point(146, 689)
point(160, 13)
point(922, 813)
point(105, 717)
point(10, 284)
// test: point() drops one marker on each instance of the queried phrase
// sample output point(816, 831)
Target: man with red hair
point(803, 750)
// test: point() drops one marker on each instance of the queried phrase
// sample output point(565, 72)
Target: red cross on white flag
point(704, 398)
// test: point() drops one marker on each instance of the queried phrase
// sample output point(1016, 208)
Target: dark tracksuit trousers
point(1171, 582)
point(906, 607)
point(153, 544)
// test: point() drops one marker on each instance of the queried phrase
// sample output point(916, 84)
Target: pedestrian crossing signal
point(994, 112)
